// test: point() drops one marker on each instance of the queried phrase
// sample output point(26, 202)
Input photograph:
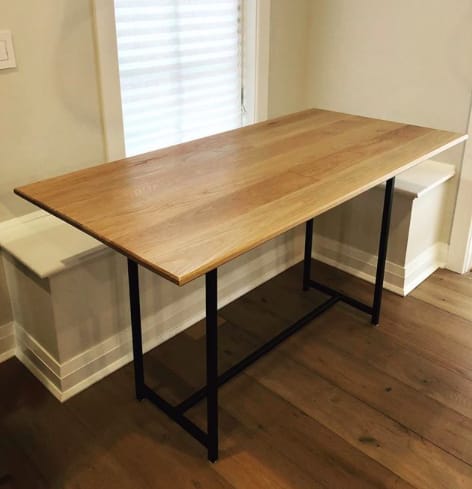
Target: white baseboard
point(31, 365)
point(357, 262)
point(7, 341)
point(424, 265)
point(398, 279)
point(66, 379)
point(6, 355)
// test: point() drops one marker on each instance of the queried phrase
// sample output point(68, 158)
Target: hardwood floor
point(340, 405)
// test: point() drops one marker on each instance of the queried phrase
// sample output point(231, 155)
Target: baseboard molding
point(399, 279)
point(7, 341)
point(357, 262)
point(30, 364)
point(67, 379)
point(424, 265)
point(6, 355)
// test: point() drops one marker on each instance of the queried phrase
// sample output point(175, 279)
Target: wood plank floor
point(339, 405)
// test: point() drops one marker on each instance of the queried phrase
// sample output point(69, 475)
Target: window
point(176, 70)
point(180, 70)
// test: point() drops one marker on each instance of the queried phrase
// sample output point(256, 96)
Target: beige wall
point(50, 115)
point(357, 223)
point(408, 60)
point(50, 118)
point(288, 70)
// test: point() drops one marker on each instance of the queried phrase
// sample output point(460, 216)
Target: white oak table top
point(185, 210)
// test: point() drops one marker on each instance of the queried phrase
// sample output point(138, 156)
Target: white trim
point(398, 279)
point(424, 265)
point(256, 39)
point(7, 355)
point(28, 343)
point(7, 341)
point(109, 78)
point(356, 262)
point(460, 248)
point(29, 364)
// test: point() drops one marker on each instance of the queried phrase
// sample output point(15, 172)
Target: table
point(185, 210)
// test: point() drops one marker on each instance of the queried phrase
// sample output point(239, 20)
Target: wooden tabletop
point(184, 210)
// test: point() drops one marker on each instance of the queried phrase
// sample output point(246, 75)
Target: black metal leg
point(211, 290)
point(213, 380)
point(135, 308)
point(307, 258)
point(379, 279)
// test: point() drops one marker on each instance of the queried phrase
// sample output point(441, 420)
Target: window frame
point(255, 68)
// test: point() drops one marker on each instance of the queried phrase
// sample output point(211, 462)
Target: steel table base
point(214, 380)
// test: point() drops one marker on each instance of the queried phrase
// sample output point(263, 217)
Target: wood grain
point(386, 440)
point(184, 210)
point(339, 405)
point(449, 291)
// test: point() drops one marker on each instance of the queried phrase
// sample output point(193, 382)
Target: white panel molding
point(23, 357)
point(43, 359)
point(398, 279)
point(424, 265)
point(7, 341)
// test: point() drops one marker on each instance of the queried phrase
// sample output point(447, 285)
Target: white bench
point(424, 198)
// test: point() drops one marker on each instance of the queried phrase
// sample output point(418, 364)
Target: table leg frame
point(373, 310)
point(382, 256)
point(214, 380)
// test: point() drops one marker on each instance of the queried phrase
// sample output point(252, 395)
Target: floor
point(339, 405)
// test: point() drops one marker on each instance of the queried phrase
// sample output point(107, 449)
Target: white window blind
point(180, 70)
